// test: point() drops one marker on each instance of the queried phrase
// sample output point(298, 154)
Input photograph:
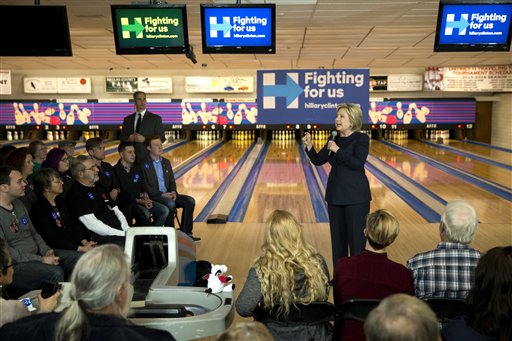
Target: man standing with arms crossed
point(140, 125)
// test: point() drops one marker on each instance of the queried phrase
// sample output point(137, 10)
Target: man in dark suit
point(140, 125)
point(161, 186)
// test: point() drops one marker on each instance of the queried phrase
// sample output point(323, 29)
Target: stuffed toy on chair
point(217, 281)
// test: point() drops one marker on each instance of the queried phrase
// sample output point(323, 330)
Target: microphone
point(334, 133)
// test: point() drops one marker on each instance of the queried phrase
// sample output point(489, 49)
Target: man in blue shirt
point(161, 186)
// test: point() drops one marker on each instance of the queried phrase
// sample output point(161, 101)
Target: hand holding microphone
point(331, 142)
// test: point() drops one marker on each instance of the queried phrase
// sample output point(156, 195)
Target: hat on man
point(65, 143)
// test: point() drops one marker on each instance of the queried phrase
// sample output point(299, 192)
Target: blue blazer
point(347, 183)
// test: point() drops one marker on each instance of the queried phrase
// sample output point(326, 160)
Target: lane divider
point(488, 145)
point(219, 193)
point(469, 155)
point(314, 186)
point(239, 209)
point(485, 184)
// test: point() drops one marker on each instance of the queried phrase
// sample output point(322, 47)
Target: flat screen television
point(469, 25)
point(34, 31)
point(150, 29)
point(238, 28)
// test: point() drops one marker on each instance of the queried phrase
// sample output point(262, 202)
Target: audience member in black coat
point(50, 215)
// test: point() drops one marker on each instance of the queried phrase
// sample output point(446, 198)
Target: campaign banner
point(313, 95)
point(405, 82)
point(5, 82)
point(74, 85)
point(121, 84)
point(378, 83)
point(496, 78)
point(155, 85)
point(40, 85)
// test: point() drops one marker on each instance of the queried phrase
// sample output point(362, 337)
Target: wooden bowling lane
point(487, 152)
point(281, 185)
point(203, 180)
point(482, 169)
point(490, 208)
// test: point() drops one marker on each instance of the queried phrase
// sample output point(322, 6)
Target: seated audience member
point(50, 215)
point(35, 261)
point(108, 179)
point(489, 303)
point(161, 186)
point(69, 148)
point(370, 275)
point(91, 207)
point(401, 317)
point(448, 270)
point(246, 331)
point(131, 181)
point(21, 160)
point(288, 271)
point(38, 150)
point(100, 293)
point(11, 310)
point(57, 159)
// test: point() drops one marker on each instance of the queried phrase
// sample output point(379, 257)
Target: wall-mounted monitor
point(238, 28)
point(34, 31)
point(470, 25)
point(150, 29)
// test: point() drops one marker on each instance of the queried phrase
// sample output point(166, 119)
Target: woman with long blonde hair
point(287, 272)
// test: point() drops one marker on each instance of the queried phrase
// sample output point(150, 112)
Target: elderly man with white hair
point(448, 270)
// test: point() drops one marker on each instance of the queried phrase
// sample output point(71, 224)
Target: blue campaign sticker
point(90, 195)
point(24, 220)
point(107, 173)
point(146, 165)
point(136, 177)
point(55, 216)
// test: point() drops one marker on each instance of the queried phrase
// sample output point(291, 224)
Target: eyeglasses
point(64, 159)
point(92, 168)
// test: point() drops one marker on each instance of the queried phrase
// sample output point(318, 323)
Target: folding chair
point(356, 309)
point(446, 308)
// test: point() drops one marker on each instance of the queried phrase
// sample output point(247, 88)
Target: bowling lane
point(281, 185)
point(490, 153)
point(487, 171)
point(490, 208)
point(203, 180)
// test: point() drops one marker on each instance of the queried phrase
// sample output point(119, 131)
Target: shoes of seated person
point(195, 239)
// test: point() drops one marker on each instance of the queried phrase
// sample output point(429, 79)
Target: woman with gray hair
point(100, 295)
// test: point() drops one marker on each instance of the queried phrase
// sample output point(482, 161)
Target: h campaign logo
point(136, 27)
point(290, 90)
point(224, 26)
point(460, 24)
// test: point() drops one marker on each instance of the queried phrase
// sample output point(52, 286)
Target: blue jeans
point(160, 213)
point(31, 275)
point(182, 201)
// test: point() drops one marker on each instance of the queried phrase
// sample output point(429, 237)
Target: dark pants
point(182, 201)
point(128, 205)
point(347, 224)
point(32, 275)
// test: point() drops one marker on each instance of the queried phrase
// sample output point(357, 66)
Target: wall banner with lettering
point(5, 82)
point(497, 78)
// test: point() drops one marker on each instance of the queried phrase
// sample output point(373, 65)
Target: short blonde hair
point(401, 317)
point(247, 331)
point(382, 228)
point(355, 114)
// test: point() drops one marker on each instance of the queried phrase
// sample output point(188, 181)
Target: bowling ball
point(391, 119)
point(222, 120)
